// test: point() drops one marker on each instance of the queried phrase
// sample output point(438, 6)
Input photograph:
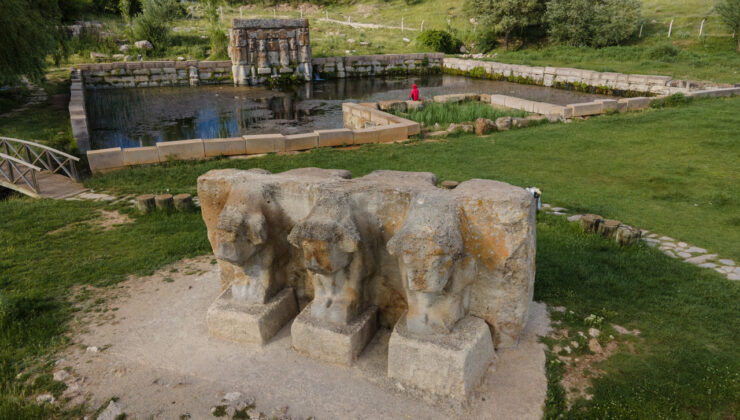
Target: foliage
point(677, 99)
point(505, 16)
point(441, 41)
point(447, 113)
point(595, 23)
point(154, 21)
point(729, 11)
point(30, 31)
point(486, 41)
point(219, 40)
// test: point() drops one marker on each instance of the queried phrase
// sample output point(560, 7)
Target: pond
point(145, 116)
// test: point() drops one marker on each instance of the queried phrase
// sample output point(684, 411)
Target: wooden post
point(327, 15)
point(240, 12)
point(641, 26)
point(422, 25)
point(301, 13)
point(145, 203)
point(183, 202)
point(401, 24)
point(670, 29)
point(274, 13)
point(701, 28)
point(164, 201)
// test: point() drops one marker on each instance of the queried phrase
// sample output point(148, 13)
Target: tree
point(595, 23)
point(505, 16)
point(30, 32)
point(153, 23)
point(729, 11)
point(219, 40)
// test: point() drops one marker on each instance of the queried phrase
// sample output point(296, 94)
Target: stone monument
point(451, 272)
point(262, 48)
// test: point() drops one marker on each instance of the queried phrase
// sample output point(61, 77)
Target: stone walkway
point(671, 247)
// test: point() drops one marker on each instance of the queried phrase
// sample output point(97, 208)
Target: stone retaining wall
point(155, 73)
point(364, 125)
point(77, 113)
point(378, 65)
point(619, 83)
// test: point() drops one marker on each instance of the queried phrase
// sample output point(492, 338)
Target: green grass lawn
point(684, 365)
point(673, 171)
point(48, 122)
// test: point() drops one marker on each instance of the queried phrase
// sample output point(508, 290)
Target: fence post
point(422, 25)
point(670, 29)
point(641, 26)
point(401, 24)
point(701, 28)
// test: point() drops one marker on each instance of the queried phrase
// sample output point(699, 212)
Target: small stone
point(620, 329)
point(696, 250)
point(667, 239)
point(232, 396)
point(560, 209)
point(45, 398)
point(727, 262)
point(92, 349)
point(144, 45)
point(558, 308)
point(180, 58)
point(683, 244)
point(574, 344)
point(557, 349)
point(59, 362)
point(567, 349)
point(61, 375)
point(230, 411)
point(556, 213)
point(594, 332)
point(701, 259)
point(406, 40)
point(684, 255)
point(707, 265)
point(594, 346)
point(450, 185)
point(503, 123)
point(670, 245)
point(400, 386)
point(670, 254)
point(652, 236)
point(733, 276)
point(575, 218)
point(484, 126)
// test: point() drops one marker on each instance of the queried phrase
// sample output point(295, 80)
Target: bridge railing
point(37, 156)
point(18, 172)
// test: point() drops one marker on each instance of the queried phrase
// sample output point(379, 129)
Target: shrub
point(666, 53)
point(486, 41)
point(729, 12)
point(153, 23)
point(595, 23)
point(441, 41)
point(447, 113)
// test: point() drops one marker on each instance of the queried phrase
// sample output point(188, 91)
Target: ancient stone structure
point(450, 271)
point(262, 48)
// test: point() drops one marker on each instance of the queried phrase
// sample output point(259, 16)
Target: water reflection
point(142, 117)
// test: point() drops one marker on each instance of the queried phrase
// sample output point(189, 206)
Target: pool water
point(145, 116)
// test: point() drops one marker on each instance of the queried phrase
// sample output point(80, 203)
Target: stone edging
point(675, 249)
point(77, 113)
point(363, 125)
point(560, 76)
point(155, 73)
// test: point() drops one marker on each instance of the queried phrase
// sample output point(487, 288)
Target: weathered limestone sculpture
point(339, 259)
point(451, 272)
point(261, 48)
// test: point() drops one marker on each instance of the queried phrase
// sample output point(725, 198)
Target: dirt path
point(152, 351)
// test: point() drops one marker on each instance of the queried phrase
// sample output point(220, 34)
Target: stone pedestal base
point(331, 343)
point(445, 364)
point(242, 322)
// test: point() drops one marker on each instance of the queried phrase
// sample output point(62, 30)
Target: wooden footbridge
point(37, 170)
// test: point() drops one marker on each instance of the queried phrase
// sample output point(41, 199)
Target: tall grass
point(449, 113)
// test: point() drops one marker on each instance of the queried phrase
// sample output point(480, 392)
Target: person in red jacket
point(414, 93)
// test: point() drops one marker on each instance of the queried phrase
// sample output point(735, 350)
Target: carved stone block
point(444, 364)
point(333, 343)
point(241, 322)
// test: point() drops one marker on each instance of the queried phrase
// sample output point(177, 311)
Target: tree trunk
point(506, 40)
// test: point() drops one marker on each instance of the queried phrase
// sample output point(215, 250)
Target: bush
point(677, 99)
point(440, 41)
point(594, 23)
point(666, 53)
point(486, 41)
point(153, 23)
